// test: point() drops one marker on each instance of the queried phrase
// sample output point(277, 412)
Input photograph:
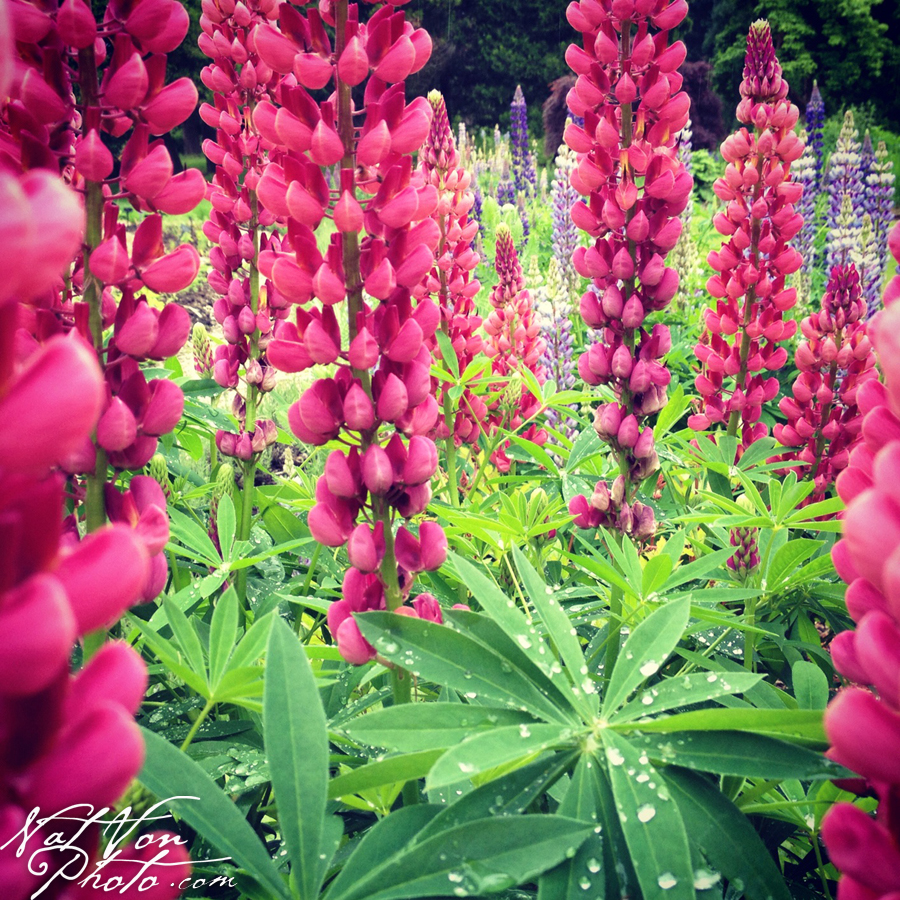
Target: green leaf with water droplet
point(429, 726)
point(646, 649)
point(493, 748)
point(652, 825)
point(725, 836)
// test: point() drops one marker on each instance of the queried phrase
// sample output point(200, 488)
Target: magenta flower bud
point(600, 499)
point(92, 158)
point(110, 261)
point(340, 477)
point(173, 328)
point(377, 471)
point(151, 174)
point(433, 545)
point(329, 526)
point(622, 362)
point(862, 848)
point(128, 85)
point(117, 427)
point(393, 400)
point(352, 645)
point(607, 420)
point(627, 435)
point(365, 549)
point(226, 443)
point(414, 500)
point(364, 351)
point(421, 462)
point(103, 576)
point(359, 414)
point(428, 608)
point(171, 106)
point(643, 447)
point(163, 411)
point(182, 193)
point(37, 629)
point(408, 551)
point(173, 272)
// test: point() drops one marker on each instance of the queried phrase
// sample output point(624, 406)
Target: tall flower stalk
point(844, 179)
point(451, 283)
point(565, 233)
point(740, 344)
point(834, 362)
point(379, 403)
point(815, 126)
point(514, 343)
point(82, 84)
point(864, 726)
point(239, 227)
point(629, 94)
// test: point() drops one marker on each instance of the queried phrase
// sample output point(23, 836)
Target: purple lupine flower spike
point(880, 202)
point(555, 309)
point(524, 173)
point(844, 178)
point(815, 124)
point(565, 232)
point(804, 172)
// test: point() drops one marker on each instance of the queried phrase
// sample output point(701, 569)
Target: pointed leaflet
point(810, 685)
point(197, 799)
point(736, 753)
point(222, 634)
point(652, 825)
point(683, 690)
point(560, 630)
point(297, 747)
point(646, 649)
point(186, 634)
point(428, 726)
point(506, 614)
point(572, 878)
point(394, 769)
point(494, 748)
point(725, 836)
point(479, 857)
point(448, 658)
point(225, 525)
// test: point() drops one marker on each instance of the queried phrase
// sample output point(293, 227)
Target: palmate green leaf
point(672, 693)
point(168, 654)
point(429, 726)
point(393, 770)
point(697, 569)
point(297, 748)
point(560, 630)
point(725, 836)
point(646, 649)
point(582, 875)
point(656, 571)
point(652, 825)
point(449, 658)
point(480, 857)
point(736, 753)
point(800, 726)
point(222, 634)
point(507, 744)
point(598, 566)
point(169, 773)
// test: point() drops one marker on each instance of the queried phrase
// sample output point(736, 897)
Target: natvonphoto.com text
point(52, 845)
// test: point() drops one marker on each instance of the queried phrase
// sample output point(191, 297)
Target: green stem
point(95, 481)
point(196, 726)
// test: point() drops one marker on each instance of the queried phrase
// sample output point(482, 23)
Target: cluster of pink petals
point(56, 730)
point(608, 507)
point(835, 360)
point(59, 45)
point(863, 725)
point(739, 349)
point(628, 91)
point(513, 343)
point(451, 281)
point(238, 222)
point(374, 266)
point(746, 556)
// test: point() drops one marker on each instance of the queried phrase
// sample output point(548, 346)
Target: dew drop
point(651, 667)
point(524, 641)
point(646, 699)
point(667, 880)
point(646, 812)
point(711, 677)
point(584, 883)
point(614, 755)
point(455, 877)
point(704, 879)
point(523, 731)
point(593, 866)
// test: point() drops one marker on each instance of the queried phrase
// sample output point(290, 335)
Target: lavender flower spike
point(522, 161)
point(844, 179)
point(565, 232)
point(815, 124)
point(555, 310)
point(804, 172)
